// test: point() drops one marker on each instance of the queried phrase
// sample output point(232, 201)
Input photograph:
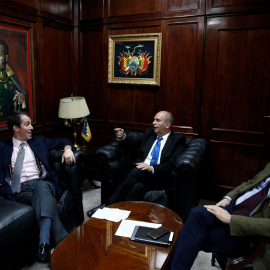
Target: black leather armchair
point(18, 228)
point(183, 191)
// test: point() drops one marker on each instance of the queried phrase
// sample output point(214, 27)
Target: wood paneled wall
point(55, 61)
point(215, 77)
point(215, 73)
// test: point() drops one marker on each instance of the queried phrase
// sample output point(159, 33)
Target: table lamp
point(73, 108)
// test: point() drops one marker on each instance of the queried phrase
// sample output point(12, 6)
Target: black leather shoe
point(44, 253)
point(93, 210)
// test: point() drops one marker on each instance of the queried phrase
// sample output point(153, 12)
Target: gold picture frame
point(135, 59)
point(16, 41)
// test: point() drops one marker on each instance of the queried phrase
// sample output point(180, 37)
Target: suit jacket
point(174, 146)
point(41, 147)
point(258, 223)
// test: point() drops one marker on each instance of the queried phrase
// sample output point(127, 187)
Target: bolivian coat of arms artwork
point(135, 59)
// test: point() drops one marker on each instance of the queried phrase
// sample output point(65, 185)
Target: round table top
point(94, 244)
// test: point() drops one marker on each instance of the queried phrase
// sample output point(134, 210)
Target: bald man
point(153, 165)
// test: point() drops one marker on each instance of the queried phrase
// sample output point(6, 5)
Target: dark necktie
point(16, 179)
point(247, 206)
point(155, 152)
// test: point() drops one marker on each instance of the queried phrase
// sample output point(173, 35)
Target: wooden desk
point(94, 245)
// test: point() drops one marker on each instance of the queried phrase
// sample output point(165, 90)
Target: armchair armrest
point(69, 177)
point(185, 177)
point(67, 173)
point(115, 161)
point(191, 158)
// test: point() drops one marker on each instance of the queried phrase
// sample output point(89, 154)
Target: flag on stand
point(86, 132)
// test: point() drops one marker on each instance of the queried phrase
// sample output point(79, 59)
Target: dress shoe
point(44, 253)
point(93, 210)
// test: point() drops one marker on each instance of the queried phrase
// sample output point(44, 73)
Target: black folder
point(140, 235)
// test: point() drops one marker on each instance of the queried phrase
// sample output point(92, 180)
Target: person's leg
point(132, 188)
point(44, 230)
point(201, 230)
point(224, 243)
point(28, 192)
point(136, 193)
point(44, 203)
point(124, 188)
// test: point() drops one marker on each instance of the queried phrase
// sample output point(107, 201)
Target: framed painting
point(16, 71)
point(135, 59)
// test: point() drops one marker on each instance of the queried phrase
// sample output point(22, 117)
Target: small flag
point(86, 132)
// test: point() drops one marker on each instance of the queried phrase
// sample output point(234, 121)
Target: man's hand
point(223, 215)
point(223, 202)
point(144, 167)
point(68, 157)
point(119, 133)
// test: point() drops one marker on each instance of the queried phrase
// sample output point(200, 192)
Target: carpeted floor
point(91, 198)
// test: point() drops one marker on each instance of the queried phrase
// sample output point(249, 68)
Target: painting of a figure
point(15, 72)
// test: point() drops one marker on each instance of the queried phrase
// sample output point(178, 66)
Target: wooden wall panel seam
point(236, 143)
point(237, 131)
point(19, 11)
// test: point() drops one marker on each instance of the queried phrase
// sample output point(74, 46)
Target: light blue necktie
point(16, 178)
point(155, 152)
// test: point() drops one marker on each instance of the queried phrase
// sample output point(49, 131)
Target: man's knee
point(198, 212)
point(136, 193)
point(45, 186)
point(137, 174)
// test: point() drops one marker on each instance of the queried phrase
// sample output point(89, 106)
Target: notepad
point(140, 235)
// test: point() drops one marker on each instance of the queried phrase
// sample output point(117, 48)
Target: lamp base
point(78, 147)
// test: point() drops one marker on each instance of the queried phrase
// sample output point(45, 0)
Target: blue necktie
point(155, 152)
point(16, 179)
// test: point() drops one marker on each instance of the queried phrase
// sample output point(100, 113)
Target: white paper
point(111, 214)
point(127, 227)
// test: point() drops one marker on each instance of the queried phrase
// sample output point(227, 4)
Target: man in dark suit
point(150, 171)
point(37, 182)
point(230, 226)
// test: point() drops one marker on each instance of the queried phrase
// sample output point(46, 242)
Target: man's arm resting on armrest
point(68, 156)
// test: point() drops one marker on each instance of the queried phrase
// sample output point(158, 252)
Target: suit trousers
point(40, 194)
point(134, 186)
point(203, 231)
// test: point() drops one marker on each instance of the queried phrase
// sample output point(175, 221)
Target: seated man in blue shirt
point(156, 151)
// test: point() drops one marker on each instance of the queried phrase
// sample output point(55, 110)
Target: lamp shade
point(73, 107)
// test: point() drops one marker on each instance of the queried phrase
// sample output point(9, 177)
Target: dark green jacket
point(258, 223)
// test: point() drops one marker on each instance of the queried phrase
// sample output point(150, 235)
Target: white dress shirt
point(30, 169)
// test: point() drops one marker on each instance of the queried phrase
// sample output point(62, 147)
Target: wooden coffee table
point(94, 244)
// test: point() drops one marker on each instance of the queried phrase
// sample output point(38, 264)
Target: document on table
point(127, 227)
point(111, 214)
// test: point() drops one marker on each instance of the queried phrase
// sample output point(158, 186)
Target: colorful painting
point(135, 59)
point(16, 71)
